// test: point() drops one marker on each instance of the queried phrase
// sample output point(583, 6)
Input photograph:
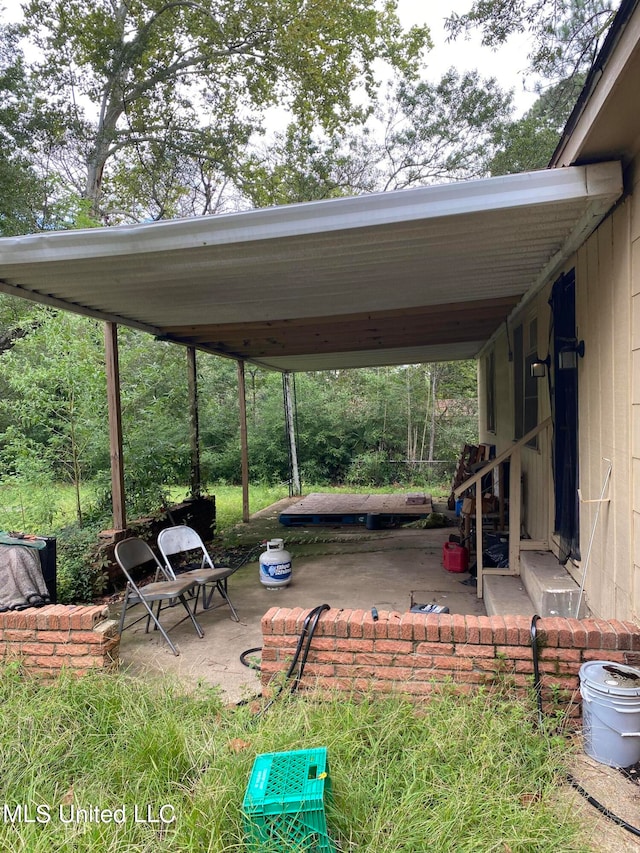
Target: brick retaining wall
point(414, 653)
point(46, 639)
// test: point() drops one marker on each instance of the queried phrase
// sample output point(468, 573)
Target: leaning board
point(321, 508)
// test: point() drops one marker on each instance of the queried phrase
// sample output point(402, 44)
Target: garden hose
point(308, 630)
point(570, 779)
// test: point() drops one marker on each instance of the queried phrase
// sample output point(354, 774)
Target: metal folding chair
point(130, 555)
point(185, 556)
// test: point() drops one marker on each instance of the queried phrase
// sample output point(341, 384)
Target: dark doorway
point(564, 399)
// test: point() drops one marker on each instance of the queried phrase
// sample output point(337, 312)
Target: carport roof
point(389, 278)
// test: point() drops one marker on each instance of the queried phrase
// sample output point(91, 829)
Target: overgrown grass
point(465, 774)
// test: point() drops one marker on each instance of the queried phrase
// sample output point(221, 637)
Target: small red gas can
point(455, 558)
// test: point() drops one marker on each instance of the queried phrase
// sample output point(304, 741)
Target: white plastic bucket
point(610, 712)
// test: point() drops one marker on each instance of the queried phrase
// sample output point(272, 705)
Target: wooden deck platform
point(370, 510)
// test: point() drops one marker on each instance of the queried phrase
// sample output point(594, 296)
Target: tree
point(20, 187)
point(141, 82)
point(423, 133)
point(529, 142)
point(566, 35)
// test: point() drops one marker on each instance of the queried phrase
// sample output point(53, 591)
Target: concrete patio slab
point(342, 566)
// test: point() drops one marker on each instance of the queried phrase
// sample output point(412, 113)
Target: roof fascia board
point(423, 203)
point(597, 176)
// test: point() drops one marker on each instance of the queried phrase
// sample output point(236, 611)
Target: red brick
point(578, 634)
point(327, 622)
point(623, 638)
point(593, 633)
point(76, 651)
point(469, 677)
point(291, 620)
point(323, 643)
point(459, 628)
point(368, 626)
point(513, 630)
point(380, 627)
point(268, 654)
point(599, 654)
point(342, 624)
point(333, 657)
point(393, 673)
point(562, 654)
point(515, 652)
point(319, 670)
point(408, 626)
point(37, 649)
point(267, 620)
point(421, 661)
point(472, 628)
point(432, 623)
point(452, 663)
point(435, 648)
point(471, 650)
point(394, 628)
point(19, 635)
point(355, 671)
point(565, 634)
point(375, 659)
point(445, 621)
point(349, 644)
point(608, 635)
point(418, 688)
point(355, 623)
point(398, 647)
point(485, 626)
point(17, 621)
point(549, 631)
point(499, 629)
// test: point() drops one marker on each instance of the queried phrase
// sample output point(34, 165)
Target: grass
point(464, 774)
point(29, 508)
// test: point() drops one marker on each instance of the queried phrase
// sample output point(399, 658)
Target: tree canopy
point(141, 87)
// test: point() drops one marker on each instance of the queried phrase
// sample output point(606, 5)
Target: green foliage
point(181, 87)
point(80, 578)
point(565, 34)
point(467, 773)
point(529, 143)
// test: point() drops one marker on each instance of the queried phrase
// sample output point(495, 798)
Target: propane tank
point(275, 565)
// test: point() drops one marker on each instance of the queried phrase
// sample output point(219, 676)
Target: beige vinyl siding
point(608, 320)
point(634, 263)
point(604, 310)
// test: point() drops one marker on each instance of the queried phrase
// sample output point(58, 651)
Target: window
point(525, 386)
point(490, 391)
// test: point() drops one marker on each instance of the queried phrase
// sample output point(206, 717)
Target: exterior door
point(564, 400)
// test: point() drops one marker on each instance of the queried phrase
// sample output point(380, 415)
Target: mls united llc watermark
point(43, 813)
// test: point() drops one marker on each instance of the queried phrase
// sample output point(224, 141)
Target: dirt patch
point(615, 790)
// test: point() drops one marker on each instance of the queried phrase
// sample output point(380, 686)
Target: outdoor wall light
point(568, 356)
point(539, 367)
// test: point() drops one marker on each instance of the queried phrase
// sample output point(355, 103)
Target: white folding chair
point(185, 556)
point(133, 553)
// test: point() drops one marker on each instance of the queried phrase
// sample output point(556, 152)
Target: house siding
point(608, 320)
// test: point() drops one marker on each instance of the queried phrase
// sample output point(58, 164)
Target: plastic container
point(610, 712)
point(458, 507)
point(455, 558)
point(275, 565)
point(283, 806)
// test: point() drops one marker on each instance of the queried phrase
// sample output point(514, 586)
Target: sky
point(508, 64)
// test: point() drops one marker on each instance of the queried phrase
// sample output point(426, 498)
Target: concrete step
point(549, 586)
point(506, 596)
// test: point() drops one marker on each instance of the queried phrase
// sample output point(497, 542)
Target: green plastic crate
point(283, 806)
